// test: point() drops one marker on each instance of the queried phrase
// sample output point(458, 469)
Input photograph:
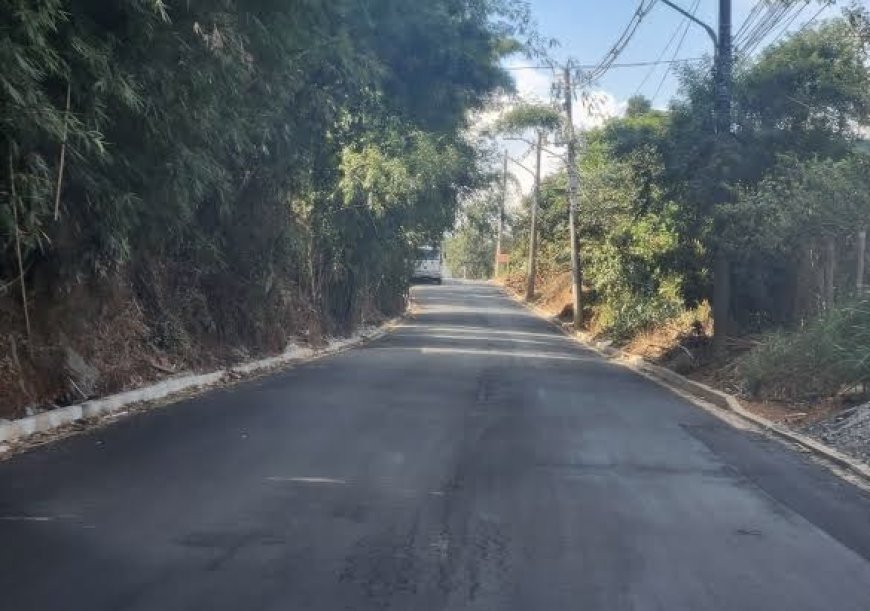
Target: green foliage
point(529, 117)
point(800, 201)
point(259, 155)
point(637, 106)
point(635, 263)
point(660, 191)
point(470, 249)
point(635, 260)
point(808, 90)
point(828, 355)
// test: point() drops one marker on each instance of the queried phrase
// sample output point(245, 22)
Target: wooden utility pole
point(501, 208)
point(576, 273)
point(533, 221)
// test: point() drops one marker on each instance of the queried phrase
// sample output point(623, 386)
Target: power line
point(676, 51)
point(813, 18)
point(747, 23)
point(759, 18)
point(661, 55)
point(784, 15)
point(622, 65)
point(791, 21)
point(618, 47)
point(754, 29)
point(777, 15)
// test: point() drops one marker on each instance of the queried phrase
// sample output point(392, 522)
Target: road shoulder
point(713, 400)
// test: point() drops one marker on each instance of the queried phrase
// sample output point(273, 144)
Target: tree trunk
point(501, 208)
point(13, 200)
point(723, 327)
point(830, 269)
point(60, 164)
point(804, 298)
point(859, 261)
point(533, 229)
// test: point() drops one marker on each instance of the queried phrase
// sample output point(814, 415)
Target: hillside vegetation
point(190, 181)
point(795, 178)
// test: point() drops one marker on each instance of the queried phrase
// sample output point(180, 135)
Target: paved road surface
point(474, 459)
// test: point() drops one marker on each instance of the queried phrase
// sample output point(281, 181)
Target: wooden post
point(859, 261)
point(721, 299)
point(12, 200)
point(830, 268)
point(501, 208)
point(533, 229)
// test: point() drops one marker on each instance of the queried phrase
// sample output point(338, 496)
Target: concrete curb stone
point(20, 429)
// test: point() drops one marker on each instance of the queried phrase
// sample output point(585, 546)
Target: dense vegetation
point(795, 176)
point(216, 176)
point(469, 250)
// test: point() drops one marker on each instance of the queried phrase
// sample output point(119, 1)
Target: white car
point(428, 265)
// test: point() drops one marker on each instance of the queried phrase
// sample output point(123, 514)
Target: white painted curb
point(22, 428)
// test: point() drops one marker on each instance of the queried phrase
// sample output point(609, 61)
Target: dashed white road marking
point(308, 480)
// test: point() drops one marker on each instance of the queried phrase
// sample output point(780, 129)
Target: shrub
point(828, 355)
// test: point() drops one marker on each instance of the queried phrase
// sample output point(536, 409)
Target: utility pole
point(533, 222)
point(576, 273)
point(723, 70)
point(501, 208)
point(721, 263)
point(723, 77)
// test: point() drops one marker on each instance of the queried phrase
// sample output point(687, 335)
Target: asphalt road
point(473, 459)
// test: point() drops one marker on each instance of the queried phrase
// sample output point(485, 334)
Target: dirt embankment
point(94, 340)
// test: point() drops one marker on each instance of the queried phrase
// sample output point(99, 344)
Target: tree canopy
point(792, 175)
point(244, 168)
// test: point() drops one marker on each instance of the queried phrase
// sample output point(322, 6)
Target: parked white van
point(428, 265)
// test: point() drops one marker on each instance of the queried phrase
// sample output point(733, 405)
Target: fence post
point(829, 270)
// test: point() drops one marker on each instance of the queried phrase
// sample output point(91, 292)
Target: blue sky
point(587, 28)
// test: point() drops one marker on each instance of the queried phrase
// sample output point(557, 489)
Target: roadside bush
point(622, 314)
point(829, 355)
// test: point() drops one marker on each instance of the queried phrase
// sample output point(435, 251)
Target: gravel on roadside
point(847, 431)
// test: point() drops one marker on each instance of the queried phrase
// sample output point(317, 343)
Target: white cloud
point(532, 84)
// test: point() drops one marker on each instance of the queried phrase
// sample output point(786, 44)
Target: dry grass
point(555, 295)
point(128, 342)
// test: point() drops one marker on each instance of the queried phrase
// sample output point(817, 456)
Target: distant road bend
point(473, 459)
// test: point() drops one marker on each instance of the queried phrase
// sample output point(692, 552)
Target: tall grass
point(828, 355)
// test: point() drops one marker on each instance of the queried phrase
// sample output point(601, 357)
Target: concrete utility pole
point(576, 273)
point(723, 77)
point(533, 221)
point(501, 208)
point(721, 263)
point(724, 61)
